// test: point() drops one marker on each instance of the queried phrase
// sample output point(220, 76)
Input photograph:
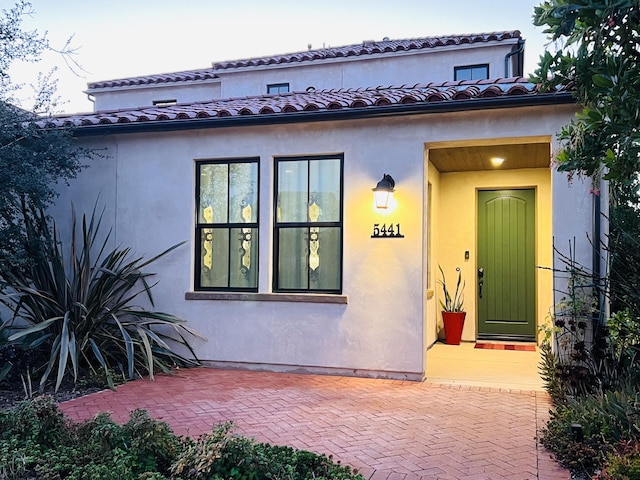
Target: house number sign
point(386, 230)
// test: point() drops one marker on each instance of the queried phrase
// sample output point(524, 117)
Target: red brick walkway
point(389, 430)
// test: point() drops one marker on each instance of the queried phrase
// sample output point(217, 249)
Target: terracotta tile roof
point(370, 48)
point(364, 48)
point(186, 76)
point(317, 101)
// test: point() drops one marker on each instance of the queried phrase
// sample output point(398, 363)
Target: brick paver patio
point(389, 430)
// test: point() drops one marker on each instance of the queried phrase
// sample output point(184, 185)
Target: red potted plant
point(453, 313)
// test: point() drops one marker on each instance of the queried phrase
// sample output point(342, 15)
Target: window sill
point(269, 297)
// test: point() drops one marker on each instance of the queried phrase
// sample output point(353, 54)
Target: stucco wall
point(432, 308)
point(412, 67)
point(576, 199)
point(137, 96)
point(147, 183)
point(422, 66)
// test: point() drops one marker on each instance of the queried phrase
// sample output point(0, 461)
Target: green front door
point(506, 265)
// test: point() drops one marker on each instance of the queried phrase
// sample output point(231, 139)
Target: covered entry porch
point(489, 214)
point(460, 177)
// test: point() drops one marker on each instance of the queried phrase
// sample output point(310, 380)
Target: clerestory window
point(308, 224)
point(471, 72)
point(276, 88)
point(226, 236)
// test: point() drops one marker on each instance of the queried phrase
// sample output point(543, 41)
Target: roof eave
point(420, 108)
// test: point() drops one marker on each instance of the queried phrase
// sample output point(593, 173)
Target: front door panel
point(506, 255)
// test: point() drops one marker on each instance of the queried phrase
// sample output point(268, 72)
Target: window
point(308, 225)
point(227, 225)
point(276, 88)
point(471, 72)
point(164, 103)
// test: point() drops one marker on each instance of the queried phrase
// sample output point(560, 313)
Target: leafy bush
point(624, 463)
point(549, 372)
point(217, 453)
point(289, 463)
point(605, 420)
point(37, 442)
point(591, 356)
point(38, 420)
point(225, 455)
point(82, 314)
point(18, 358)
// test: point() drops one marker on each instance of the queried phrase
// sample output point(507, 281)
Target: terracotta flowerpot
point(453, 323)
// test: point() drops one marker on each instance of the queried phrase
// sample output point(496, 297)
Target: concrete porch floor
point(465, 365)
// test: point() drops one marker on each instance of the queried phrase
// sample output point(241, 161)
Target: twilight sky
point(125, 38)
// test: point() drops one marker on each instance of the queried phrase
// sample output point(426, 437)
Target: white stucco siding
point(378, 330)
point(404, 68)
point(95, 185)
point(149, 180)
point(575, 199)
point(378, 70)
point(146, 95)
point(401, 69)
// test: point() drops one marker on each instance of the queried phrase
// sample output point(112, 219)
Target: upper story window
point(226, 235)
point(276, 88)
point(471, 72)
point(308, 224)
point(164, 103)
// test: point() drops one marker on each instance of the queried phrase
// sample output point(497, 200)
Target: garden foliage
point(86, 312)
point(36, 441)
point(597, 59)
point(591, 370)
point(591, 367)
point(32, 159)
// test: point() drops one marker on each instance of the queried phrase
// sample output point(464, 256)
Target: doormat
point(506, 346)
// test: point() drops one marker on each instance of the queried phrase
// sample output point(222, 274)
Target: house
point(266, 166)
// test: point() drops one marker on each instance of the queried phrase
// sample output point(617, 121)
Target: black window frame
point(470, 68)
point(278, 87)
point(278, 226)
point(229, 225)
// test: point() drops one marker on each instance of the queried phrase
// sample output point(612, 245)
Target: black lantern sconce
point(383, 191)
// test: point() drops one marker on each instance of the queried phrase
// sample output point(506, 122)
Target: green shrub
point(224, 455)
point(219, 453)
point(549, 372)
point(37, 442)
point(606, 420)
point(282, 462)
point(153, 444)
point(38, 420)
point(624, 463)
point(81, 312)
point(592, 375)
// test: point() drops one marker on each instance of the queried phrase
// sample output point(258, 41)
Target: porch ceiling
point(469, 158)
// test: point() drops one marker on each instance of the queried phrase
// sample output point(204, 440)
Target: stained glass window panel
point(214, 193)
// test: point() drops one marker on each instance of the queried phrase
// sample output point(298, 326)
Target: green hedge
point(38, 442)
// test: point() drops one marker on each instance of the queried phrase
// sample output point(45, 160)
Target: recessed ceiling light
point(497, 161)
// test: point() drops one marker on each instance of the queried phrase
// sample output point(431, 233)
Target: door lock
point(480, 281)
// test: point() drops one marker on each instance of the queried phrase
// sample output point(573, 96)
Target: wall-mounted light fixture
point(383, 191)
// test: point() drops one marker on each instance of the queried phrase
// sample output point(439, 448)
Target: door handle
point(480, 281)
